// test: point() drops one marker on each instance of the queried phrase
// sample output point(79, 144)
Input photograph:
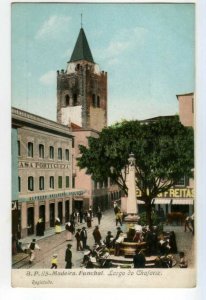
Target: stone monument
point(131, 212)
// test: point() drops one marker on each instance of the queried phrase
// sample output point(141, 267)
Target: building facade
point(186, 109)
point(45, 185)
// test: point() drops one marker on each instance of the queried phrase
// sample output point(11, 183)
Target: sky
point(148, 51)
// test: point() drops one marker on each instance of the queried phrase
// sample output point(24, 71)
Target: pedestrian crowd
point(160, 244)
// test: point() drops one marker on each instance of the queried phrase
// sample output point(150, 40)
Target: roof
point(81, 50)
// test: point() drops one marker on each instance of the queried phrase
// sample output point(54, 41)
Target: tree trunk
point(148, 206)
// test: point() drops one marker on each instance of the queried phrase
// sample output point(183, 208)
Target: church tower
point(82, 89)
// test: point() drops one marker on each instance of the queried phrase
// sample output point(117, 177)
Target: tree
point(163, 148)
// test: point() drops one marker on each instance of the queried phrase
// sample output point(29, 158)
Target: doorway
point(42, 213)
point(51, 214)
point(30, 220)
point(60, 211)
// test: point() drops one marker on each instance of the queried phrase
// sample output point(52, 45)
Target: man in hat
point(32, 248)
point(97, 235)
point(78, 239)
point(83, 237)
point(68, 257)
point(139, 259)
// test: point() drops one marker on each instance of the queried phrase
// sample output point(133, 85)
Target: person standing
point(78, 239)
point(89, 220)
point(40, 227)
point(118, 218)
point(58, 226)
point(83, 237)
point(139, 259)
point(54, 262)
point(69, 230)
point(90, 212)
point(183, 262)
point(97, 235)
point(68, 257)
point(99, 216)
point(32, 247)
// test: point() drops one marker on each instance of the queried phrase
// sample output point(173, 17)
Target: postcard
point(103, 131)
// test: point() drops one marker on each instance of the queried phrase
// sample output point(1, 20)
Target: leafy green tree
point(163, 148)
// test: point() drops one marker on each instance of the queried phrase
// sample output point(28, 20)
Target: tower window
point(93, 100)
point(41, 151)
point(30, 149)
point(98, 101)
point(75, 99)
point(67, 100)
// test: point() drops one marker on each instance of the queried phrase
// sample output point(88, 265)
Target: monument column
point(131, 200)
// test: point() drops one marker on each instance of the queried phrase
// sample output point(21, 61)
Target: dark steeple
point(81, 49)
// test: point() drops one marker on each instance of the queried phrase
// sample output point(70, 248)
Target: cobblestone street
point(56, 243)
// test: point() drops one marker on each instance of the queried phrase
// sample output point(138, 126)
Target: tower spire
point(81, 21)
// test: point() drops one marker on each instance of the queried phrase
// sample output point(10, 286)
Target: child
point(183, 262)
point(54, 262)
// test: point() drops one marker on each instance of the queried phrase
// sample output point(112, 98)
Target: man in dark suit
point(68, 257)
point(139, 259)
point(78, 239)
point(83, 237)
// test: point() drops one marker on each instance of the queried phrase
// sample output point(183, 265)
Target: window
point(95, 184)
point(75, 99)
point(51, 182)
point(72, 143)
point(59, 182)
point(73, 182)
point(181, 182)
point(60, 153)
point(67, 100)
point(98, 101)
point(41, 183)
point(51, 152)
point(93, 100)
point(67, 181)
point(19, 148)
point(41, 151)
point(105, 183)
point(30, 149)
point(19, 184)
point(30, 183)
point(67, 154)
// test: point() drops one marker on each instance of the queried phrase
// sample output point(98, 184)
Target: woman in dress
point(58, 226)
point(69, 231)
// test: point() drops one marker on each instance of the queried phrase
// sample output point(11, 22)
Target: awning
point(180, 201)
point(162, 201)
